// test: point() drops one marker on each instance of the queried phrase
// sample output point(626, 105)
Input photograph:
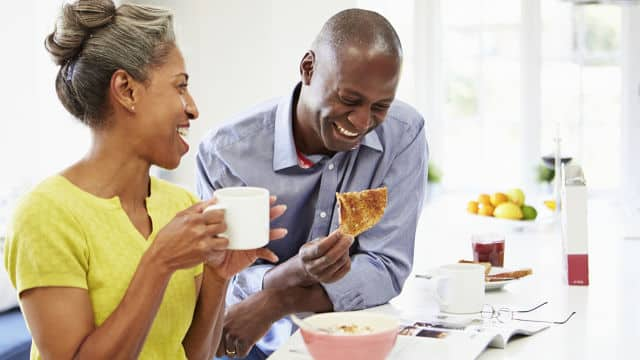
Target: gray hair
point(93, 39)
point(359, 27)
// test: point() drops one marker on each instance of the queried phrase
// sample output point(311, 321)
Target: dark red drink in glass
point(488, 248)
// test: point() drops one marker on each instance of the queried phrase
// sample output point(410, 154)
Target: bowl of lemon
point(508, 208)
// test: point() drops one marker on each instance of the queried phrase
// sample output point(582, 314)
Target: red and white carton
point(574, 224)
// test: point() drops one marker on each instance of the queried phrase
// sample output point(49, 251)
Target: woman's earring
point(133, 108)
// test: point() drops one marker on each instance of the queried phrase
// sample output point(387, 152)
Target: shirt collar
point(284, 148)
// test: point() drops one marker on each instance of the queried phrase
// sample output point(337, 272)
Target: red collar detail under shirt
point(303, 161)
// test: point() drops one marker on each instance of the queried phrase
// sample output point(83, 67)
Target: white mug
point(246, 215)
point(460, 288)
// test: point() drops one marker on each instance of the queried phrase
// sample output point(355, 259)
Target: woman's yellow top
point(63, 236)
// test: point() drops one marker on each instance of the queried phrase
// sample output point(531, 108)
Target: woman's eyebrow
point(186, 76)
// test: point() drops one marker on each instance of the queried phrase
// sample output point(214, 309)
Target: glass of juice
point(488, 247)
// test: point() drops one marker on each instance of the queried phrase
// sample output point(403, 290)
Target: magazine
point(473, 335)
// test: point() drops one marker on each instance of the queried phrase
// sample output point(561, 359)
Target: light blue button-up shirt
point(257, 149)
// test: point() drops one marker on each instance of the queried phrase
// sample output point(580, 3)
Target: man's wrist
point(303, 276)
point(295, 299)
point(288, 274)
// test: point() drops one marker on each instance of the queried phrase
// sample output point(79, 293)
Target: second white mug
point(460, 288)
point(246, 215)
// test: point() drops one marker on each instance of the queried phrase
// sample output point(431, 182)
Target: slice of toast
point(487, 265)
point(517, 274)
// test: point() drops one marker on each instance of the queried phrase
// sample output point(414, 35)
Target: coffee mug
point(246, 215)
point(460, 288)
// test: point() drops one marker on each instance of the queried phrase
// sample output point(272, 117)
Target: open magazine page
point(473, 335)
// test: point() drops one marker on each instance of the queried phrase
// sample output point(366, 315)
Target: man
point(340, 130)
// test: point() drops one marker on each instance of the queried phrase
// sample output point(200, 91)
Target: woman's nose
point(190, 108)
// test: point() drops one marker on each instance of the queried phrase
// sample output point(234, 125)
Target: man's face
point(349, 95)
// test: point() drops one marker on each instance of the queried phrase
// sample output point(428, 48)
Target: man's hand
point(247, 322)
point(326, 260)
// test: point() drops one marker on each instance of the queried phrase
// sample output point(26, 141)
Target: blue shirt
point(257, 149)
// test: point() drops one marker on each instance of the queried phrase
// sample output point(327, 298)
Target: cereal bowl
point(350, 335)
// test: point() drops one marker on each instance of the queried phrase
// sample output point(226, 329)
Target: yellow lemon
point(551, 204)
point(516, 196)
point(498, 198)
point(508, 210)
point(472, 207)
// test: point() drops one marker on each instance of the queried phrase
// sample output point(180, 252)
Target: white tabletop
point(607, 320)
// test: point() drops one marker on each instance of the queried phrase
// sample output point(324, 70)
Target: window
point(480, 45)
point(581, 86)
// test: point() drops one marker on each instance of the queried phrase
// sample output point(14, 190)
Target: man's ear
point(124, 90)
point(307, 66)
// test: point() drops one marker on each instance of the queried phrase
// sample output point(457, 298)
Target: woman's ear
point(306, 67)
point(124, 90)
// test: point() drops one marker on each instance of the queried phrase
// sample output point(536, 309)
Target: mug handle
point(214, 207)
point(436, 293)
point(217, 207)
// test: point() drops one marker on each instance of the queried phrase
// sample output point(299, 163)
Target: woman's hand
point(230, 262)
point(191, 238)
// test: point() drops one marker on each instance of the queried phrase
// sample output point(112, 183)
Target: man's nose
point(361, 118)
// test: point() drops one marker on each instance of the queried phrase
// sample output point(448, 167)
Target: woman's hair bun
point(75, 24)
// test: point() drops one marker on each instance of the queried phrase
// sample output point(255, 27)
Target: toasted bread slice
point(360, 211)
point(517, 274)
point(487, 265)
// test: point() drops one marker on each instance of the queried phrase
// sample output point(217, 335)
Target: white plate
point(490, 223)
point(488, 286)
point(497, 285)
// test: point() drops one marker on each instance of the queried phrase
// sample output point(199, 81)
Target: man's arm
point(385, 253)
point(249, 320)
point(323, 260)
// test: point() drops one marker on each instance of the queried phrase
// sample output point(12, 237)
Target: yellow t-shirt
point(64, 236)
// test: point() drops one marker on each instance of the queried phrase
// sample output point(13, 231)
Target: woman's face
point(163, 113)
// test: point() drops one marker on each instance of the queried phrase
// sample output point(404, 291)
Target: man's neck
point(304, 136)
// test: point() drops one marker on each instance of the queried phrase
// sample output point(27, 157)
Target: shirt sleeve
point(384, 256)
point(45, 247)
point(213, 174)
point(209, 169)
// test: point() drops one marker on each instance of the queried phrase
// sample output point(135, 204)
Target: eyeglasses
point(505, 314)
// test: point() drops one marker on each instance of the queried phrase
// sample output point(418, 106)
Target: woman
point(103, 265)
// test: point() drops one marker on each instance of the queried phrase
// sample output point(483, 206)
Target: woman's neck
point(110, 169)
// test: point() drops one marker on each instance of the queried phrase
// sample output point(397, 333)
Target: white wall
point(240, 53)
point(37, 135)
point(631, 107)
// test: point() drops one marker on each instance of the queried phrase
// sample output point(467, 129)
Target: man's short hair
point(361, 28)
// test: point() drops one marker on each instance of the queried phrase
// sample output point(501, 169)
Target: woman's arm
point(61, 318)
point(205, 329)
point(203, 338)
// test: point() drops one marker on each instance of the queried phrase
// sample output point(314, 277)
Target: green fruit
point(529, 212)
point(516, 196)
point(508, 210)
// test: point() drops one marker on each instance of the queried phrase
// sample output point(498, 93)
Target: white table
point(607, 320)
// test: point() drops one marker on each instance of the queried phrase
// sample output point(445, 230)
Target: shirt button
point(330, 166)
point(323, 214)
